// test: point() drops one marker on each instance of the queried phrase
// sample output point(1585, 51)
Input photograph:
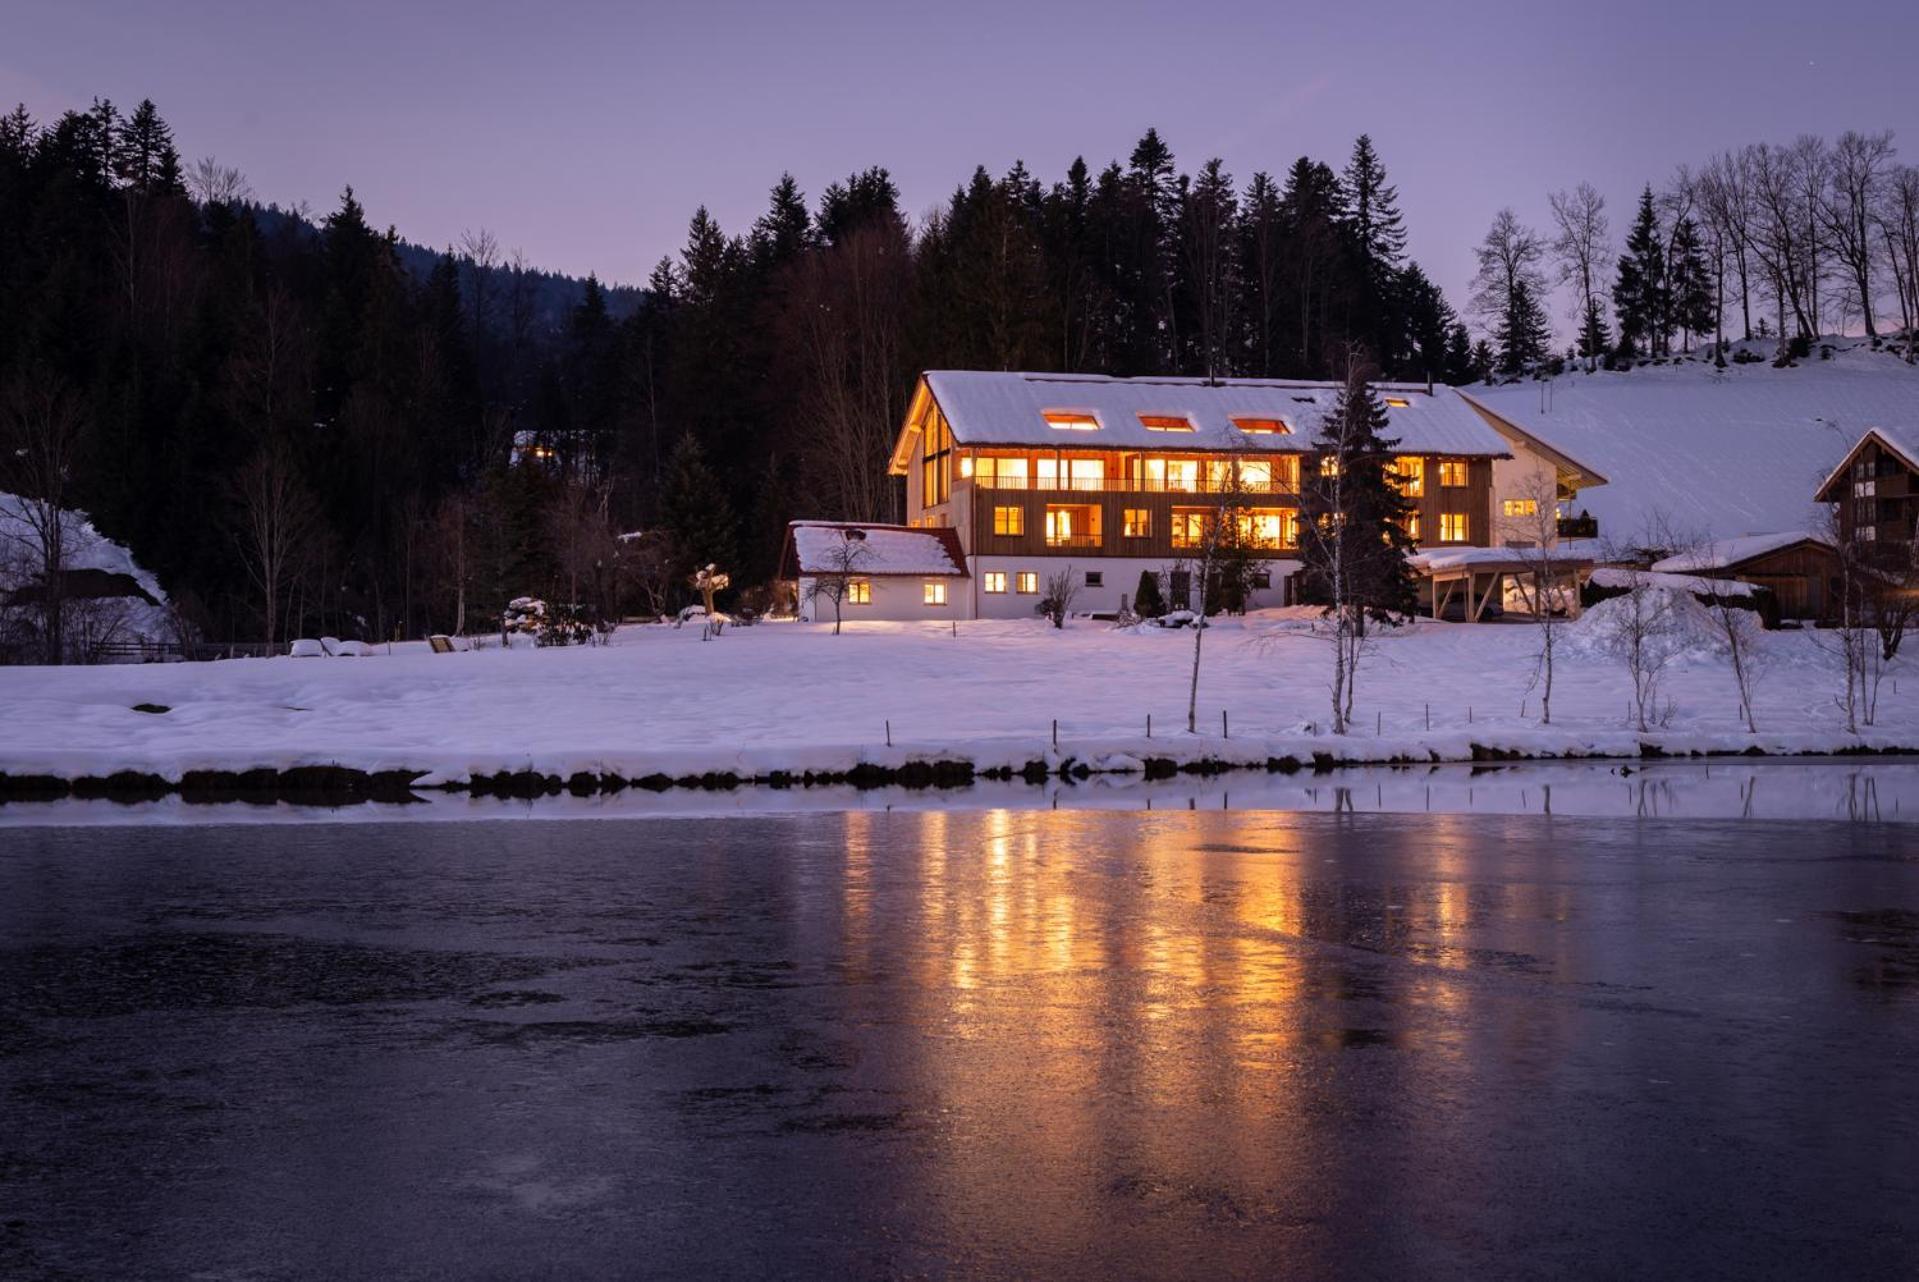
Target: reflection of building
point(1040, 474)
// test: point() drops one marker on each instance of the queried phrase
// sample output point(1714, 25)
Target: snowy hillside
point(130, 614)
point(1719, 453)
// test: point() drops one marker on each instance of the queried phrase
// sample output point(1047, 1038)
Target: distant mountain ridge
point(555, 294)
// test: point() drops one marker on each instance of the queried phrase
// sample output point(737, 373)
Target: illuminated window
point(995, 581)
point(1328, 465)
point(1069, 421)
point(859, 592)
point(933, 592)
point(1137, 523)
point(1072, 527)
point(1412, 527)
point(1085, 474)
point(1286, 473)
point(1262, 426)
point(1009, 520)
point(1397, 402)
point(1289, 530)
point(1262, 529)
point(1189, 527)
point(1162, 474)
point(966, 466)
point(1000, 473)
point(1521, 507)
point(1411, 471)
point(936, 474)
point(1452, 527)
point(1026, 583)
point(1452, 473)
point(1165, 423)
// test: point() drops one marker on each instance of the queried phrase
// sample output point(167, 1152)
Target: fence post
point(1225, 728)
point(889, 732)
point(1429, 716)
point(1149, 725)
point(1056, 732)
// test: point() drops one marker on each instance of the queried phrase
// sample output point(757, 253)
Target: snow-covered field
point(1709, 452)
point(794, 697)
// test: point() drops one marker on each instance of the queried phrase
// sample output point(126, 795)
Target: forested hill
point(320, 427)
point(552, 296)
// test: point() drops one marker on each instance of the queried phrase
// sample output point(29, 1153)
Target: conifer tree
point(696, 512)
point(1377, 233)
point(1640, 292)
point(1692, 310)
point(1523, 333)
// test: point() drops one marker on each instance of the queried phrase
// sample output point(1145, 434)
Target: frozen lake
point(1079, 1043)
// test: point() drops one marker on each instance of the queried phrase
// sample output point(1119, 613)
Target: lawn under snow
point(795, 697)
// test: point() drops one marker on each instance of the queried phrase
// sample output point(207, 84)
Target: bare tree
point(212, 183)
point(1898, 222)
point(480, 251)
point(841, 563)
point(278, 522)
point(1056, 601)
point(1534, 535)
point(1855, 179)
point(43, 425)
point(1739, 628)
point(845, 327)
point(1725, 197)
point(581, 535)
point(1582, 250)
point(1509, 259)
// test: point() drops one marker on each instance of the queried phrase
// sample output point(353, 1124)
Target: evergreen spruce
point(696, 513)
point(1640, 292)
point(1358, 510)
point(1693, 313)
point(1147, 601)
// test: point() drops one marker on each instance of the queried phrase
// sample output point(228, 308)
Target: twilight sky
point(585, 133)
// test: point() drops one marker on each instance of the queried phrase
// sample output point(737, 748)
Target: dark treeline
point(299, 430)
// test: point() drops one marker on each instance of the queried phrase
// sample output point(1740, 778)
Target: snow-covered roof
point(1615, 577)
point(1717, 453)
point(1902, 442)
point(993, 408)
point(881, 550)
point(1724, 553)
point(1441, 559)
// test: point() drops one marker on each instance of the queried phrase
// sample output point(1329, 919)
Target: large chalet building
point(1013, 478)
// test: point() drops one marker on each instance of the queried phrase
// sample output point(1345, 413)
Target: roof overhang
point(1583, 475)
point(1822, 495)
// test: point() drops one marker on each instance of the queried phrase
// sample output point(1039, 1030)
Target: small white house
point(875, 571)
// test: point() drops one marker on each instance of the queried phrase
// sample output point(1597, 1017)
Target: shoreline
point(320, 782)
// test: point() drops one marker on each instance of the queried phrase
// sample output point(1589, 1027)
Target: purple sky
point(586, 133)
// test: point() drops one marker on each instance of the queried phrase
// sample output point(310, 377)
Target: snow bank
point(132, 617)
point(790, 697)
point(1670, 621)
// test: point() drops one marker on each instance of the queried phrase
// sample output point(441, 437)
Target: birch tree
point(1582, 253)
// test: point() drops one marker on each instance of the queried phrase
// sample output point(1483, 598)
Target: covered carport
point(1482, 580)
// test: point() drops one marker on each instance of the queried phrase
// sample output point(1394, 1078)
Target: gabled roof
point(1904, 444)
point(987, 408)
point(1582, 475)
point(881, 551)
point(1727, 554)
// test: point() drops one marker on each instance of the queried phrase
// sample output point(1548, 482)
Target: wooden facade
point(1803, 578)
point(1108, 496)
point(1876, 491)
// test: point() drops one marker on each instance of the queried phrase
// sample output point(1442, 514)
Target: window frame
point(1026, 583)
point(933, 592)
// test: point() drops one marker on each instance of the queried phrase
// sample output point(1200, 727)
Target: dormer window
point(1071, 421)
point(1166, 422)
point(1261, 426)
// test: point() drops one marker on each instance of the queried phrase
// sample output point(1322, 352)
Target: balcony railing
point(1139, 485)
point(1070, 541)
